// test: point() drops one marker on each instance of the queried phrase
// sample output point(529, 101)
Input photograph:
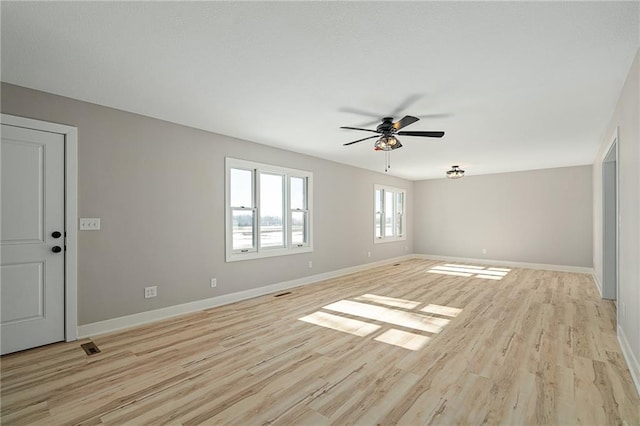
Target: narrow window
point(379, 213)
point(243, 210)
point(271, 210)
point(299, 212)
point(399, 214)
point(389, 214)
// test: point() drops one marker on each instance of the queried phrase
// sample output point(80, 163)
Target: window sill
point(236, 257)
point(377, 240)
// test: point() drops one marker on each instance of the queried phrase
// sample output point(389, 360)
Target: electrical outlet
point(214, 282)
point(484, 251)
point(623, 309)
point(310, 264)
point(368, 254)
point(150, 291)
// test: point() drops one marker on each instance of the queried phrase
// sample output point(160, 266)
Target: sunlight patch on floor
point(336, 322)
point(488, 273)
point(403, 339)
point(488, 277)
point(398, 314)
point(457, 274)
point(389, 301)
point(468, 270)
point(441, 310)
point(454, 265)
point(390, 316)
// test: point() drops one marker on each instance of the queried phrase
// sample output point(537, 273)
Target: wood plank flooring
point(421, 342)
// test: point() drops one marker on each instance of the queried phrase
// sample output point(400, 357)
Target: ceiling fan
point(388, 129)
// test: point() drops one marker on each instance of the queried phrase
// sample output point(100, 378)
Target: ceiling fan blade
point(370, 123)
point(406, 103)
point(421, 133)
point(405, 121)
point(445, 115)
point(359, 140)
point(358, 128)
point(359, 112)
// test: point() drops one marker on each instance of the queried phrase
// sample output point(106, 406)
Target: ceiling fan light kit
point(455, 173)
point(388, 129)
point(387, 143)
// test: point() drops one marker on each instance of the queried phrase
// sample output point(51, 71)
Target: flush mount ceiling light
point(455, 173)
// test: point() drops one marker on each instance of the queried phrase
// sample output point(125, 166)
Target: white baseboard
point(597, 281)
point(141, 318)
point(632, 361)
point(496, 262)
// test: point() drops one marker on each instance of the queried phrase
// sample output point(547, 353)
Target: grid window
point(268, 210)
point(389, 214)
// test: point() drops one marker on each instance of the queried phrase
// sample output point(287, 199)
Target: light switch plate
point(89, 223)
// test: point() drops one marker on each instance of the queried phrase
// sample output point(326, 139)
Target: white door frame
point(614, 144)
point(71, 213)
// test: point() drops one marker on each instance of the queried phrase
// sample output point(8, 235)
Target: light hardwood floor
point(401, 344)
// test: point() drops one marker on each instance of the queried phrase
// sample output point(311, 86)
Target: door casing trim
point(615, 140)
point(70, 134)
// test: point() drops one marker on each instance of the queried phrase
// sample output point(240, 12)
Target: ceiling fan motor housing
point(386, 126)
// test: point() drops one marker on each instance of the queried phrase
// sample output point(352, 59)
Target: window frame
point(305, 210)
point(252, 209)
point(258, 251)
point(398, 218)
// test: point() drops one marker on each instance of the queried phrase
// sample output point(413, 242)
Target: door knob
point(56, 234)
point(56, 249)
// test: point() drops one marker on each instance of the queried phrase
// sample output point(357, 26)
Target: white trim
point(632, 361)
point(614, 141)
point(128, 321)
point(614, 138)
point(597, 281)
point(495, 262)
point(71, 228)
point(71, 212)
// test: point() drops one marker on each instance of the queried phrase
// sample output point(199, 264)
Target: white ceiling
point(524, 85)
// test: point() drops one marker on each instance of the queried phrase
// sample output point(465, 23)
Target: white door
point(32, 236)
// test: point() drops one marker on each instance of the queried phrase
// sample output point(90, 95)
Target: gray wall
point(627, 118)
point(539, 216)
point(159, 189)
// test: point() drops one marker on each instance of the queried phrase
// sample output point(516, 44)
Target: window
point(389, 218)
point(299, 211)
point(267, 210)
